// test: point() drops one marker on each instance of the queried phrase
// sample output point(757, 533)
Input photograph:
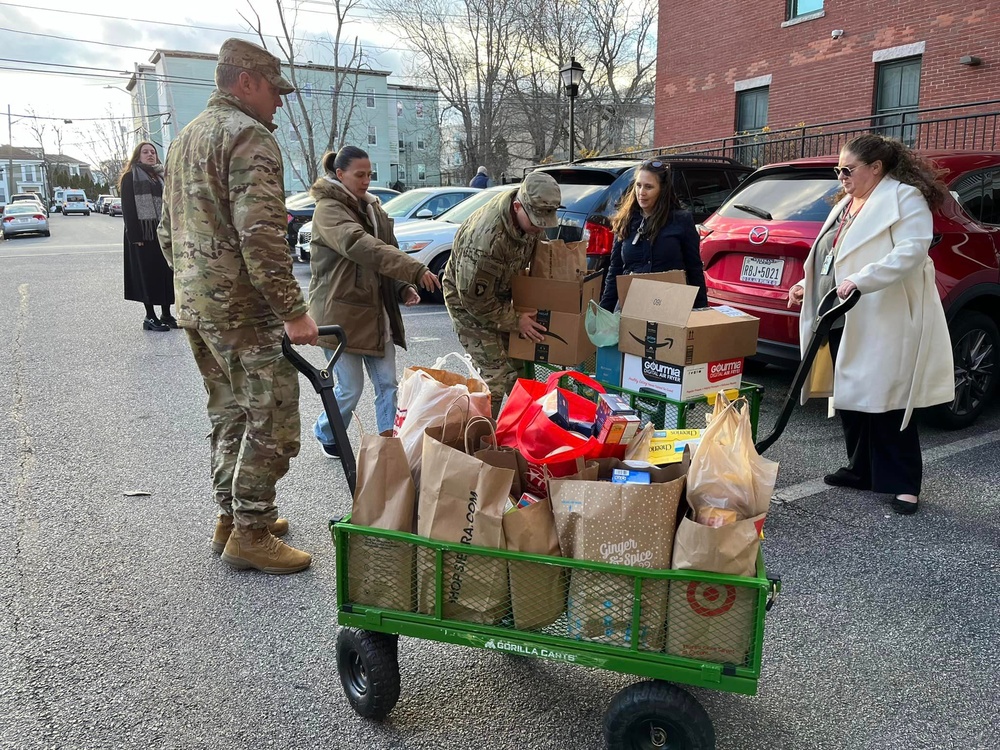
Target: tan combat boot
point(261, 550)
point(224, 527)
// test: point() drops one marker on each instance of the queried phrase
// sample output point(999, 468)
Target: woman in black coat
point(148, 278)
point(652, 234)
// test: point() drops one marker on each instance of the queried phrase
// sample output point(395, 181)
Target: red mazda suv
point(755, 245)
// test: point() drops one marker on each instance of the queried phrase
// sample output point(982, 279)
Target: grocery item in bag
point(623, 524)
point(462, 501)
point(380, 571)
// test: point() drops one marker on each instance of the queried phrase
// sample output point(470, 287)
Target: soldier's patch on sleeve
point(482, 284)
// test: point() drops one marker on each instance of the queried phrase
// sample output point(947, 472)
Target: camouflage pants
point(253, 406)
point(488, 348)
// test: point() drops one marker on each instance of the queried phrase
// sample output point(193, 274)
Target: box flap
point(625, 281)
point(659, 302)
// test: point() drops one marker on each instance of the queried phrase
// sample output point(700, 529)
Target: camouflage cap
point(243, 54)
point(540, 196)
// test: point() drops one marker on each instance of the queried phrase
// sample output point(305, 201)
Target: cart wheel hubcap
point(359, 678)
point(658, 736)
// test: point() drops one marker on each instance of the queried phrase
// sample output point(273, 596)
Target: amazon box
point(562, 307)
point(624, 281)
point(659, 324)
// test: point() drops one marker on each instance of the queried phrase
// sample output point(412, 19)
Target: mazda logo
point(758, 235)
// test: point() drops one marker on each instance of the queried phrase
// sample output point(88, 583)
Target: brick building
point(727, 68)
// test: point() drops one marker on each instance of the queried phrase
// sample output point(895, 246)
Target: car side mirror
point(424, 213)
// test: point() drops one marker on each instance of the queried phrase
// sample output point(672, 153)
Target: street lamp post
point(10, 156)
point(572, 75)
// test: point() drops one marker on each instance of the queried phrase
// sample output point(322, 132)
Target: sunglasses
point(846, 171)
point(653, 164)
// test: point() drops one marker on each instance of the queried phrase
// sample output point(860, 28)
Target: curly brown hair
point(628, 206)
point(900, 163)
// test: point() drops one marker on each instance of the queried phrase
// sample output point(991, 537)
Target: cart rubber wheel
point(656, 714)
point(368, 664)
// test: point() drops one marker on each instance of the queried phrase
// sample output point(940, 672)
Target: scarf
point(147, 189)
point(366, 205)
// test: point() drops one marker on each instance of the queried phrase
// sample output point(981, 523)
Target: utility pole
point(10, 156)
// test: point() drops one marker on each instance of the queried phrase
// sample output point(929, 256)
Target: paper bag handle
point(476, 420)
point(444, 420)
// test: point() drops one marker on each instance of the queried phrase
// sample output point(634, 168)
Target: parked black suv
point(591, 189)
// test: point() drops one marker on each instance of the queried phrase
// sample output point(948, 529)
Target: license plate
point(765, 271)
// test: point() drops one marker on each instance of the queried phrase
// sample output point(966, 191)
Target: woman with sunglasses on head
point(653, 234)
point(892, 352)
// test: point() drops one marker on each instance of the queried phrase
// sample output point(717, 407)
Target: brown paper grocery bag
point(624, 524)
point(706, 621)
point(537, 590)
point(380, 571)
point(559, 260)
point(462, 500)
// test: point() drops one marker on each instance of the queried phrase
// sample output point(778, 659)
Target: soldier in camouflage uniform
point(491, 247)
point(223, 233)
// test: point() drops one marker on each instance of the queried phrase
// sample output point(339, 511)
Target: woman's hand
point(412, 297)
point(845, 289)
point(138, 244)
point(795, 295)
point(430, 282)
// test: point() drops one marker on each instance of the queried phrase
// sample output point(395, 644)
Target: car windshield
point(299, 200)
point(466, 208)
point(787, 196)
point(401, 204)
point(75, 199)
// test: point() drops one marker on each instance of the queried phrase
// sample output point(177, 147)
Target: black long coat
point(148, 278)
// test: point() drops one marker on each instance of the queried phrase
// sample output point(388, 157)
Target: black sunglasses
point(653, 164)
point(846, 171)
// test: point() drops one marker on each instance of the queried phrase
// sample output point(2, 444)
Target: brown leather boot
point(224, 527)
point(261, 550)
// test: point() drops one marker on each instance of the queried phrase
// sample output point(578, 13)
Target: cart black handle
point(322, 381)
point(772, 594)
point(831, 309)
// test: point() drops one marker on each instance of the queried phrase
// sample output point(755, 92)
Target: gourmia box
point(678, 382)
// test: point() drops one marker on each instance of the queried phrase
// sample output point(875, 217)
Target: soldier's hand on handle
point(430, 282)
point(795, 295)
point(412, 297)
point(530, 328)
point(302, 330)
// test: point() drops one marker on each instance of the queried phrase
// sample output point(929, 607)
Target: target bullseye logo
point(706, 599)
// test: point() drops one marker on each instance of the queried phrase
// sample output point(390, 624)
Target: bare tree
point(320, 115)
point(107, 144)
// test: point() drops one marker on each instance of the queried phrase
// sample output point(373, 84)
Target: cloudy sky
point(57, 61)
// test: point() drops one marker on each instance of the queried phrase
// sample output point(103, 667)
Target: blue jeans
point(350, 384)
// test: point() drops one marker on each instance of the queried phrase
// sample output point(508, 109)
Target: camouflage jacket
point(359, 274)
point(489, 250)
point(224, 224)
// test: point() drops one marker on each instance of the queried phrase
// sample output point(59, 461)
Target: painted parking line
point(70, 252)
point(812, 487)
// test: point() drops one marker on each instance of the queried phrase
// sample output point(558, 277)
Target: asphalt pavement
point(120, 629)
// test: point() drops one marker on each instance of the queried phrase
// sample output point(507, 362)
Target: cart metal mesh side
point(691, 627)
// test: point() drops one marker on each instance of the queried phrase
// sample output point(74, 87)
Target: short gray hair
point(227, 75)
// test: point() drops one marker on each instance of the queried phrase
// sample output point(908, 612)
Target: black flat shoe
point(844, 477)
point(169, 320)
point(904, 507)
point(152, 324)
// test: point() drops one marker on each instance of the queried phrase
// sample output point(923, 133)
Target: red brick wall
point(705, 46)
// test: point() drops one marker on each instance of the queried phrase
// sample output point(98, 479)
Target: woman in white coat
point(893, 352)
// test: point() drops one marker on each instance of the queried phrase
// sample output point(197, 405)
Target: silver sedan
point(24, 218)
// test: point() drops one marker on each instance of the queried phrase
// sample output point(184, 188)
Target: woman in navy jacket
point(652, 234)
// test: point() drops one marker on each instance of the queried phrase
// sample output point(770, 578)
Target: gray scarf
point(147, 189)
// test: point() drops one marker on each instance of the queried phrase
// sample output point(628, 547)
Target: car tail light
point(39, 217)
point(601, 238)
point(290, 217)
point(703, 231)
point(8, 218)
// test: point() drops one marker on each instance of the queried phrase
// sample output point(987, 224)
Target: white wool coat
point(896, 351)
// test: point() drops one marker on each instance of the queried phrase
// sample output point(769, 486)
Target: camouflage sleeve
point(257, 197)
point(163, 230)
point(477, 276)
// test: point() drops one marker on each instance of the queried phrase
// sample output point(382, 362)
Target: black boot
point(168, 320)
point(152, 324)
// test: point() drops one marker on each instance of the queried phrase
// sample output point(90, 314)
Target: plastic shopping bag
point(601, 325)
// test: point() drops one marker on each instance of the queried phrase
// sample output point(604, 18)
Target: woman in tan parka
point(359, 278)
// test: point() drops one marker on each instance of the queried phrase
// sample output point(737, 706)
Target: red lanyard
point(843, 222)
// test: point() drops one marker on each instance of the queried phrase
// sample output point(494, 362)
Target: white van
point(75, 202)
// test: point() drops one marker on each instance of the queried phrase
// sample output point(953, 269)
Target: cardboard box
point(658, 323)
point(609, 365)
point(624, 281)
point(680, 383)
point(561, 309)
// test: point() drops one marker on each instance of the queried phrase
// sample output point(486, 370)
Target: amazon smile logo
point(650, 343)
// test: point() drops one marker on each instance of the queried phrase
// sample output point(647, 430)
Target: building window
point(374, 172)
point(292, 96)
point(308, 90)
point(420, 109)
point(399, 109)
point(751, 109)
point(421, 173)
point(370, 99)
point(401, 172)
point(401, 146)
point(28, 172)
point(798, 8)
point(420, 145)
point(896, 99)
point(372, 135)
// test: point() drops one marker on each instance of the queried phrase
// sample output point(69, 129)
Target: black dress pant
point(886, 459)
